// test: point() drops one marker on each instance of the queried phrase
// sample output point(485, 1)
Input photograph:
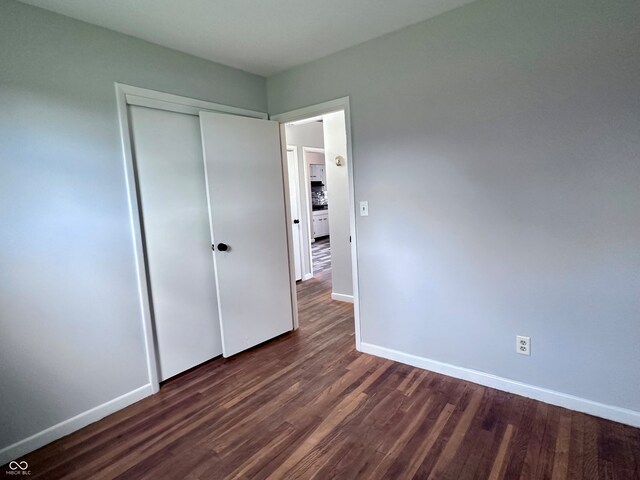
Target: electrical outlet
point(523, 345)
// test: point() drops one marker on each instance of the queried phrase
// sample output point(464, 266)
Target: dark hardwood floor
point(307, 405)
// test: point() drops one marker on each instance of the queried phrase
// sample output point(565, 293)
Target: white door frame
point(323, 109)
point(301, 214)
point(130, 95)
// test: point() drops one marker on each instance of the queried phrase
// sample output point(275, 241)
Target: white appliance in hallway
point(319, 197)
point(320, 223)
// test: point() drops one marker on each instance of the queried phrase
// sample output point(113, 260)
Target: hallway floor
point(307, 405)
point(321, 255)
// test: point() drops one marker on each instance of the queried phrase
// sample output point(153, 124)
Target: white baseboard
point(610, 412)
point(29, 444)
point(307, 276)
point(342, 298)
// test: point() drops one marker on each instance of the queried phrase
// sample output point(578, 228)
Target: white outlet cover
point(523, 345)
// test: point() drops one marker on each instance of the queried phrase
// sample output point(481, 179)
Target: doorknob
point(296, 221)
point(222, 247)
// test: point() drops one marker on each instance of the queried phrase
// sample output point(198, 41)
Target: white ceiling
point(259, 36)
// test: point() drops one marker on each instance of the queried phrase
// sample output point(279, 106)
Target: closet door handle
point(222, 247)
point(296, 221)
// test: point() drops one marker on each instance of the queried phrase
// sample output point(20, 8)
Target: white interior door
point(168, 155)
point(294, 202)
point(247, 206)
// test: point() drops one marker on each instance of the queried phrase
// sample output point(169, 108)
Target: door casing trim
point(323, 109)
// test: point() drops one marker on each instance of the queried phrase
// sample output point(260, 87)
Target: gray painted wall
point(70, 322)
point(335, 144)
point(498, 146)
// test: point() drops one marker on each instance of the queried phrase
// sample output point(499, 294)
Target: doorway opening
point(318, 193)
point(309, 198)
point(321, 205)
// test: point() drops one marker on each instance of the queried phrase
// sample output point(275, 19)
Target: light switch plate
point(364, 209)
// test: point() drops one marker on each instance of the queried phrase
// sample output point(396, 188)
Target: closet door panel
point(170, 169)
point(247, 204)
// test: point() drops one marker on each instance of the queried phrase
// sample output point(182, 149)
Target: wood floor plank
point(497, 471)
point(428, 441)
point(481, 443)
point(334, 418)
point(534, 447)
point(458, 434)
point(401, 441)
point(307, 405)
point(526, 424)
point(591, 467)
point(563, 442)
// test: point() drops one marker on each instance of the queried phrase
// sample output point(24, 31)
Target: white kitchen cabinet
point(320, 223)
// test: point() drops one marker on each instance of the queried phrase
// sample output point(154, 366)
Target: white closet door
point(168, 155)
point(294, 201)
point(246, 196)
